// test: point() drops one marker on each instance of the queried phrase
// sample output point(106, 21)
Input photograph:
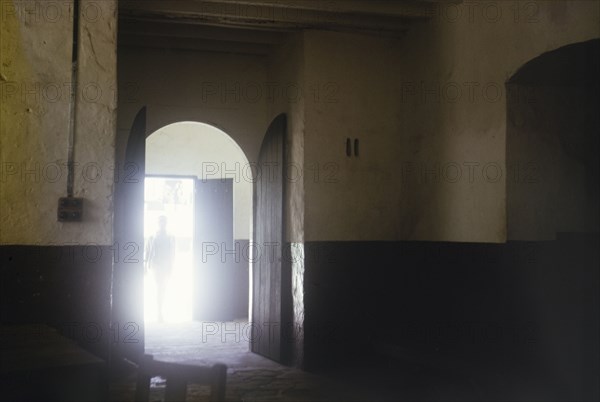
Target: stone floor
point(251, 377)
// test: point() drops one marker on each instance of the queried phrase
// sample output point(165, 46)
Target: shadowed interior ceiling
point(255, 27)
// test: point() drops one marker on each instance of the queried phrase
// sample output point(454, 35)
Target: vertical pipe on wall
point(72, 108)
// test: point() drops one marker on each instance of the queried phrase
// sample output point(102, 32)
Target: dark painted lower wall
point(67, 287)
point(472, 307)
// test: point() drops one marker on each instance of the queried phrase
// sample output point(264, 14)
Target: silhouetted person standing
point(159, 257)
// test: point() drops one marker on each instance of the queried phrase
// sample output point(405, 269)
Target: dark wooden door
point(214, 252)
point(127, 332)
point(269, 282)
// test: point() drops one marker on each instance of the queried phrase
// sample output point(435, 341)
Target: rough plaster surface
point(35, 74)
point(364, 91)
point(350, 197)
point(485, 51)
point(298, 291)
point(427, 113)
point(286, 67)
point(208, 153)
point(213, 88)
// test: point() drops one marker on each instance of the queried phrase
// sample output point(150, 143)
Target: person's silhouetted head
point(162, 223)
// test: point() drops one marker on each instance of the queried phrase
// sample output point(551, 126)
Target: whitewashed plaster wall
point(402, 125)
point(227, 91)
point(286, 70)
point(35, 77)
point(430, 112)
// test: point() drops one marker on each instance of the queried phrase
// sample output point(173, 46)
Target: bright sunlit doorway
point(185, 162)
point(171, 197)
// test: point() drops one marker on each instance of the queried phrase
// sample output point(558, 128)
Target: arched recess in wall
point(221, 222)
point(552, 144)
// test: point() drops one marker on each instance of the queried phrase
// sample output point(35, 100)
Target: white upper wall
point(430, 112)
point(228, 91)
point(35, 77)
point(286, 67)
point(414, 142)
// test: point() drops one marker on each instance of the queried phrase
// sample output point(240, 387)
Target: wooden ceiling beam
point(375, 16)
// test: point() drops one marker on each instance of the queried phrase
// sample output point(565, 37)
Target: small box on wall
point(70, 209)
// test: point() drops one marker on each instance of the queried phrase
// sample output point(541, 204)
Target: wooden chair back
point(178, 376)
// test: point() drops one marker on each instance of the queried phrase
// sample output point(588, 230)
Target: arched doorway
point(270, 299)
point(552, 144)
point(200, 180)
